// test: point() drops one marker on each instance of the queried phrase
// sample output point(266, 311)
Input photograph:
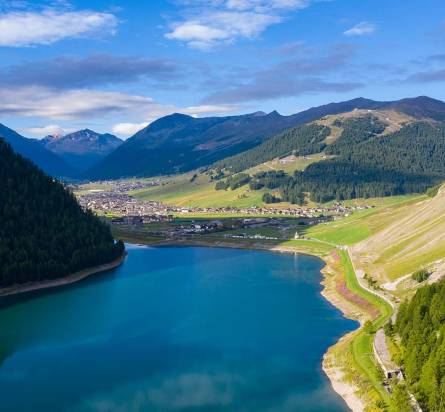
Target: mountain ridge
point(34, 151)
point(179, 143)
point(82, 149)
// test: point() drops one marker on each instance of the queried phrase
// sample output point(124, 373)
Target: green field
point(362, 344)
point(299, 163)
point(182, 191)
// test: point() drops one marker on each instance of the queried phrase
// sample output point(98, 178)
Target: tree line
point(44, 233)
point(367, 163)
point(301, 140)
point(420, 324)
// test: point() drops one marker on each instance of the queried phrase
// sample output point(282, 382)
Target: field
point(199, 191)
point(183, 190)
point(411, 236)
point(361, 224)
point(289, 164)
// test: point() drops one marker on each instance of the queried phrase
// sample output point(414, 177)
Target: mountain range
point(82, 149)
point(48, 161)
point(179, 143)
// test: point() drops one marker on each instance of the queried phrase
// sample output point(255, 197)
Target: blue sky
point(115, 66)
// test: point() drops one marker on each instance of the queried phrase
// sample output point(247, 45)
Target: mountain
point(45, 234)
point(179, 143)
point(82, 149)
point(33, 150)
point(365, 153)
point(315, 137)
point(421, 107)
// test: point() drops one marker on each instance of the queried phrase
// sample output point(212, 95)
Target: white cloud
point(362, 29)
point(128, 129)
point(214, 22)
point(73, 104)
point(85, 105)
point(29, 28)
point(262, 5)
point(42, 131)
point(210, 29)
point(210, 109)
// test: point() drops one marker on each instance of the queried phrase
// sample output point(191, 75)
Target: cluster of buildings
point(121, 186)
point(256, 236)
point(121, 205)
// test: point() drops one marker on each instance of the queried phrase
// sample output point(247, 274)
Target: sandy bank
point(67, 280)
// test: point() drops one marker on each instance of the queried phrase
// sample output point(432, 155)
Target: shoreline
point(346, 390)
point(67, 280)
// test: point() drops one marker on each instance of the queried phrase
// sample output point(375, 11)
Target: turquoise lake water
point(181, 329)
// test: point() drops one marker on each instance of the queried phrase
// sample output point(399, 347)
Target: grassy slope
point(181, 191)
point(411, 236)
point(362, 224)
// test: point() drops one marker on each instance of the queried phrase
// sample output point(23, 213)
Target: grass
point(300, 163)
point(361, 224)
point(404, 238)
point(362, 344)
point(200, 192)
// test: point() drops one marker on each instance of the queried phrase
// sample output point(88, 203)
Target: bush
point(269, 198)
point(421, 275)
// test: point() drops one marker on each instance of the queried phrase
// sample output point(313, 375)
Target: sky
point(115, 66)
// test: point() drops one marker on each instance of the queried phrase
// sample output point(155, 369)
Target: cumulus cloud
point(214, 22)
point(210, 29)
point(79, 72)
point(30, 28)
point(361, 29)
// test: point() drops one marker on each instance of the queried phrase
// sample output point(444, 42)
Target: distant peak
point(274, 114)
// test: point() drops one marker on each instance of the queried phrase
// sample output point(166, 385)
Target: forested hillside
point(302, 140)
point(44, 234)
point(421, 326)
point(179, 143)
point(363, 160)
point(408, 161)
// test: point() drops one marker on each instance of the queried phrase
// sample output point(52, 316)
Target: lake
point(181, 329)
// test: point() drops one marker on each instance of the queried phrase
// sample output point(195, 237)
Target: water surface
point(185, 329)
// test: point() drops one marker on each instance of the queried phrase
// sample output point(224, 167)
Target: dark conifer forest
point(421, 326)
point(44, 233)
point(364, 161)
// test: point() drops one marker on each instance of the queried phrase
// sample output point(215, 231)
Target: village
point(125, 209)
